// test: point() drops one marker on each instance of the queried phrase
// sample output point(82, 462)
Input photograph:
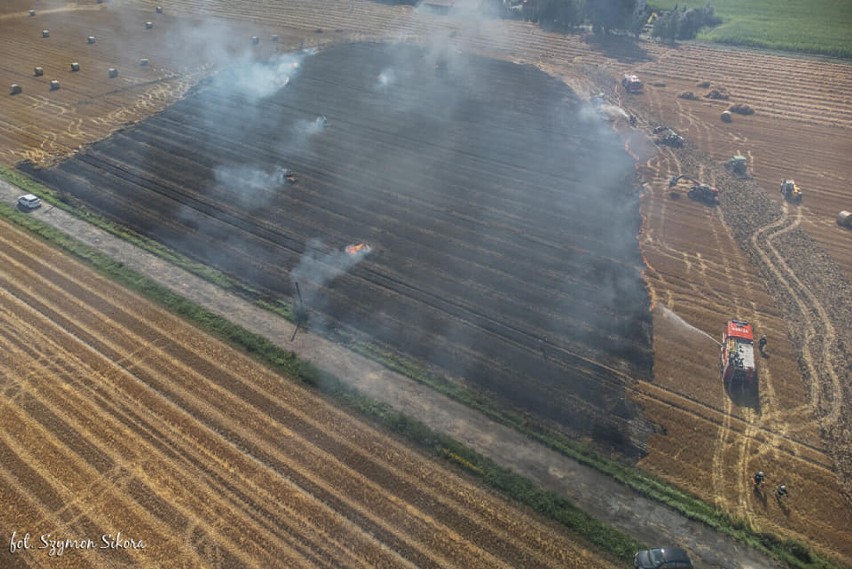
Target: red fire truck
point(738, 353)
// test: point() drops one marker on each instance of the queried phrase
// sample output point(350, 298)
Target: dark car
point(662, 558)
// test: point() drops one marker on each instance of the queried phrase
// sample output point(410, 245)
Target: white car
point(29, 201)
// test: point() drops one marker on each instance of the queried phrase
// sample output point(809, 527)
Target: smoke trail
point(258, 80)
point(319, 266)
point(251, 187)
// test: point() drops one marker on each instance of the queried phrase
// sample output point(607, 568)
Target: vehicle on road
point(662, 558)
point(29, 202)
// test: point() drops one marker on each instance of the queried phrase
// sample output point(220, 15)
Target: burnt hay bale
point(255, 40)
point(143, 62)
point(688, 95)
point(726, 116)
point(741, 108)
point(703, 84)
point(718, 94)
point(275, 38)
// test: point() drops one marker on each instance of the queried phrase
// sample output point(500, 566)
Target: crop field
point(818, 26)
point(466, 192)
point(128, 420)
point(784, 267)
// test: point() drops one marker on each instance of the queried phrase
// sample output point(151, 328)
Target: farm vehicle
point(738, 165)
point(667, 136)
point(696, 190)
point(791, 191)
point(632, 84)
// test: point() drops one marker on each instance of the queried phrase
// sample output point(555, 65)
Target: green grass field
point(808, 26)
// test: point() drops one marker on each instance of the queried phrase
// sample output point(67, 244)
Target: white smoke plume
point(257, 80)
point(250, 186)
point(319, 266)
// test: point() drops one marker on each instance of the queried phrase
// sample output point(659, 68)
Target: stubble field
point(128, 420)
point(705, 263)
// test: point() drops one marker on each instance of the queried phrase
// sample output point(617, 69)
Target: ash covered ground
point(499, 211)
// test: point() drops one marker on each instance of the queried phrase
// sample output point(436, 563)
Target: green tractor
point(738, 165)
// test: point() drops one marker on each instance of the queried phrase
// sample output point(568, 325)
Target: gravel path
point(598, 494)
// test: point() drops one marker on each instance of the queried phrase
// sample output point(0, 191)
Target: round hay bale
point(149, 25)
point(688, 95)
point(275, 38)
point(741, 108)
point(54, 85)
point(255, 40)
point(726, 116)
point(159, 9)
point(75, 66)
point(32, 12)
point(45, 33)
point(658, 84)
point(718, 94)
point(90, 40)
point(15, 89)
point(844, 219)
point(703, 84)
point(38, 71)
point(112, 72)
point(143, 62)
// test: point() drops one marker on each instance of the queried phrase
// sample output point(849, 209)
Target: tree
point(607, 15)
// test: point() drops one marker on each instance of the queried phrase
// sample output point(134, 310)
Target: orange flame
point(357, 248)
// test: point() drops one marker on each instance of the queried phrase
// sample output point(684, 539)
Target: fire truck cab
point(738, 353)
point(631, 83)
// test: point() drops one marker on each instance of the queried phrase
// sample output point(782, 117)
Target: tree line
point(605, 16)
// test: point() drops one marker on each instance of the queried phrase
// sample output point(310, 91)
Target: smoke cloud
point(319, 266)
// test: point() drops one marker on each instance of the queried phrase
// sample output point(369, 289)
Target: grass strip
point(816, 26)
point(791, 552)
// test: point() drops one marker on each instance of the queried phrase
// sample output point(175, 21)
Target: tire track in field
point(819, 332)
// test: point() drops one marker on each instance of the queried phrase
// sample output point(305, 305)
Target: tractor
point(668, 136)
point(697, 191)
point(738, 165)
point(791, 191)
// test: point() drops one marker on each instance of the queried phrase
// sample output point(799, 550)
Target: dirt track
point(711, 444)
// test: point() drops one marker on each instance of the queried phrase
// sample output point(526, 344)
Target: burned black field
point(500, 214)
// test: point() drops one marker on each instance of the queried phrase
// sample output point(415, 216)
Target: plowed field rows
point(481, 264)
point(129, 420)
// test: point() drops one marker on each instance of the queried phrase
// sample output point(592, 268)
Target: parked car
point(29, 201)
point(662, 558)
